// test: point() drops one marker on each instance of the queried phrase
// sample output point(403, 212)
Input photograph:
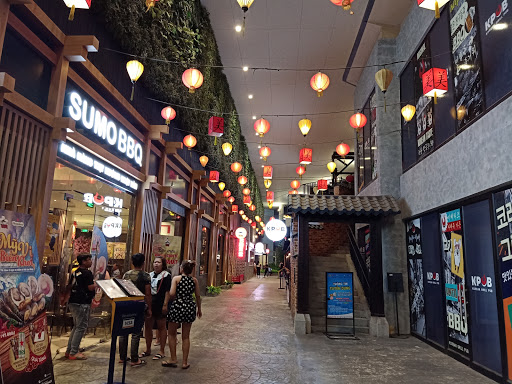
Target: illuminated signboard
point(241, 233)
point(275, 230)
point(241, 248)
point(109, 203)
point(112, 226)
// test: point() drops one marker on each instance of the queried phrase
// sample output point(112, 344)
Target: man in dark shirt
point(82, 293)
point(142, 281)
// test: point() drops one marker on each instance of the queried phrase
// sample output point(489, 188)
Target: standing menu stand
point(127, 315)
point(340, 305)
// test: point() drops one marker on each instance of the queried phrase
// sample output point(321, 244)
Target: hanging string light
point(193, 79)
point(135, 69)
point(168, 113)
point(319, 82)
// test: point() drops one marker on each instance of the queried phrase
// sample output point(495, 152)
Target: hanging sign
point(259, 248)
point(112, 226)
point(241, 233)
point(275, 230)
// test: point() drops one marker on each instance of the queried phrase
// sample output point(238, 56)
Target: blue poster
point(340, 296)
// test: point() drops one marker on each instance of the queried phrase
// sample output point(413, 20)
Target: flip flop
point(169, 364)
point(185, 366)
point(140, 363)
point(158, 356)
point(78, 356)
point(144, 354)
point(121, 361)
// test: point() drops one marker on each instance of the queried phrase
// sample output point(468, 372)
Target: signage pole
point(111, 363)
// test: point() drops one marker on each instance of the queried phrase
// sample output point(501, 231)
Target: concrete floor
point(246, 336)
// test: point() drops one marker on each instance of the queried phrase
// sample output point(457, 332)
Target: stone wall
point(294, 272)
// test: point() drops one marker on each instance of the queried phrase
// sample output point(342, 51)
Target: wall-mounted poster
point(455, 292)
point(466, 55)
point(416, 287)
point(99, 252)
point(25, 355)
point(503, 220)
point(168, 247)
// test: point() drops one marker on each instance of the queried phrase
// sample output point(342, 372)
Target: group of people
point(267, 270)
point(169, 300)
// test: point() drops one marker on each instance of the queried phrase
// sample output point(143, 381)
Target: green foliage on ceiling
point(180, 30)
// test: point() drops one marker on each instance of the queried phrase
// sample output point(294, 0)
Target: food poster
point(168, 247)
point(52, 244)
point(416, 287)
point(99, 252)
point(25, 355)
point(455, 293)
point(466, 55)
point(116, 251)
point(503, 222)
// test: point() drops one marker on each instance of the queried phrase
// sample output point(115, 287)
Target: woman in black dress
point(183, 310)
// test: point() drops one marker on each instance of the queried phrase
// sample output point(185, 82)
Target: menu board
point(111, 289)
point(128, 287)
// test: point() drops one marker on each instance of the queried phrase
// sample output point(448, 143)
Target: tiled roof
point(343, 205)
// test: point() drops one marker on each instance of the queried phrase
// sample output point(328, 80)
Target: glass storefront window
point(220, 251)
point(205, 248)
point(179, 186)
point(206, 205)
point(172, 230)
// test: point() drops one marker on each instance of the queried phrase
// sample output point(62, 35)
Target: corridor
point(246, 336)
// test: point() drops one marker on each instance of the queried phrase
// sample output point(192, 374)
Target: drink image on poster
point(455, 293)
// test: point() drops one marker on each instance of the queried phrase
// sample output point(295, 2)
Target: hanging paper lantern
point(203, 160)
point(293, 192)
point(343, 149)
point(242, 180)
point(267, 172)
point(331, 166)
point(268, 183)
point(222, 185)
point(304, 126)
point(245, 4)
point(241, 212)
point(262, 224)
point(408, 112)
point(346, 4)
point(249, 221)
point(215, 127)
point(270, 204)
point(193, 79)
point(226, 193)
point(257, 218)
point(350, 178)
point(73, 4)
point(135, 69)
point(383, 79)
point(252, 208)
point(246, 191)
point(319, 83)
point(168, 113)
point(435, 82)
point(227, 148)
point(265, 152)
point(300, 170)
point(433, 5)
point(236, 167)
point(214, 176)
point(270, 196)
point(189, 141)
point(244, 217)
point(261, 127)
point(358, 120)
point(322, 185)
point(295, 184)
point(231, 200)
point(306, 156)
point(234, 208)
point(150, 4)
point(253, 225)
point(247, 200)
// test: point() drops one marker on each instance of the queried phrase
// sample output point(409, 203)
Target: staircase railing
point(360, 264)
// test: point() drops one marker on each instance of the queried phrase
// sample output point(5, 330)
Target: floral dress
point(183, 309)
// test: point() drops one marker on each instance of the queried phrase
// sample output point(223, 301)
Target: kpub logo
point(433, 278)
point(483, 284)
point(496, 16)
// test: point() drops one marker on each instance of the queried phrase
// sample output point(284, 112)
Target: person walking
point(183, 310)
point(81, 288)
point(258, 270)
point(142, 281)
point(160, 286)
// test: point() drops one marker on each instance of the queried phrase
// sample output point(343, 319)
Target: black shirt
point(80, 293)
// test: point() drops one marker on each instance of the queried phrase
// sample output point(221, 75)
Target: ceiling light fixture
point(245, 68)
point(238, 28)
point(250, 96)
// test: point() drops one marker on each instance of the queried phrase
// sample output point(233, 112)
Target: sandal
point(168, 364)
point(144, 354)
point(158, 356)
point(121, 361)
point(78, 356)
point(138, 364)
point(185, 366)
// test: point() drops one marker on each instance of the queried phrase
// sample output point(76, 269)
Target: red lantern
point(216, 127)
point(293, 192)
point(249, 221)
point(322, 185)
point(358, 120)
point(234, 208)
point(189, 141)
point(168, 114)
point(350, 178)
point(346, 4)
point(343, 149)
point(252, 208)
point(242, 180)
point(261, 127)
point(270, 196)
point(319, 83)
point(214, 176)
point(435, 82)
point(193, 79)
point(247, 200)
point(295, 184)
point(246, 191)
point(253, 225)
point(433, 5)
point(300, 170)
point(306, 156)
point(226, 193)
point(265, 152)
point(267, 172)
point(236, 167)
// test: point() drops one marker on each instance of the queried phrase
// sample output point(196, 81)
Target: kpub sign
point(275, 230)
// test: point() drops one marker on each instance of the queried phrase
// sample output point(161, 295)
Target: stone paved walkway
point(246, 336)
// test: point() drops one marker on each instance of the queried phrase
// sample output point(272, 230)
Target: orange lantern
point(257, 218)
point(435, 82)
point(193, 79)
point(226, 193)
point(203, 160)
point(358, 120)
point(252, 207)
point(265, 152)
point(234, 208)
point(246, 191)
point(322, 185)
point(343, 149)
point(319, 83)
point(306, 156)
point(189, 141)
point(300, 170)
point(295, 184)
point(267, 172)
point(168, 114)
point(293, 192)
point(261, 127)
point(249, 221)
point(231, 199)
point(270, 196)
point(236, 167)
point(214, 176)
point(242, 180)
point(241, 212)
point(247, 200)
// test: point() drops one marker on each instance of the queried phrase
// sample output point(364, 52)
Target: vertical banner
point(455, 293)
point(503, 221)
point(340, 296)
point(416, 287)
point(99, 252)
point(25, 355)
point(466, 55)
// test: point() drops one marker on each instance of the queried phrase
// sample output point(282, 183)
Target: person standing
point(183, 310)
point(142, 281)
point(82, 288)
point(258, 270)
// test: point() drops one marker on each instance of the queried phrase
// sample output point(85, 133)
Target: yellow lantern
point(222, 185)
point(268, 183)
point(227, 148)
point(245, 4)
point(433, 5)
point(203, 160)
point(305, 126)
point(270, 204)
point(383, 79)
point(135, 69)
point(408, 112)
point(331, 166)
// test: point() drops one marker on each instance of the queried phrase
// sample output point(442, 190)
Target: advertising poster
point(99, 252)
point(340, 296)
point(416, 287)
point(25, 355)
point(116, 251)
point(503, 221)
point(455, 293)
point(466, 55)
point(51, 244)
point(168, 247)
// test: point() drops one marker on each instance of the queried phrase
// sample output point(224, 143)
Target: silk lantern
point(265, 152)
point(268, 183)
point(168, 113)
point(383, 79)
point(193, 79)
point(203, 160)
point(261, 127)
point(245, 4)
point(247, 200)
point(358, 120)
point(331, 166)
point(270, 196)
point(215, 127)
point(433, 5)
point(241, 212)
point(435, 82)
point(319, 82)
point(222, 185)
point(343, 149)
point(300, 170)
point(246, 191)
point(322, 185)
point(214, 176)
point(306, 156)
point(242, 180)
point(252, 208)
point(304, 126)
point(408, 112)
point(226, 193)
point(227, 148)
point(267, 172)
point(135, 69)
point(295, 184)
point(236, 167)
point(234, 208)
point(73, 4)
point(270, 204)
point(189, 141)
point(231, 199)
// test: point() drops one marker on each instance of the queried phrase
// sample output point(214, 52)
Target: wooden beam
point(4, 16)
point(183, 163)
point(156, 131)
point(7, 83)
point(203, 183)
point(20, 2)
point(46, 22)
point(61, 127)
point(29, 108)
point(171, 148)
point(90, 42)
point(75, 53)
point(58, 83)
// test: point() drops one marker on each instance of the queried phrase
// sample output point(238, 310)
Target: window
point(367, 145)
